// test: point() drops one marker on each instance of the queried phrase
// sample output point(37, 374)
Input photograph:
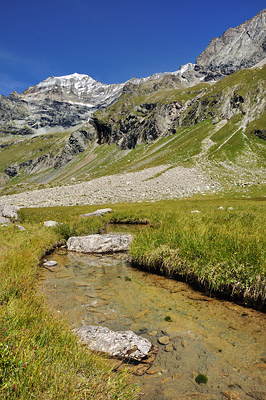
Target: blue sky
point(111, 41)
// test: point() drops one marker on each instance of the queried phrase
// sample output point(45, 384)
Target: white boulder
point(108, 243)
point(98, 213)
point(121, 344)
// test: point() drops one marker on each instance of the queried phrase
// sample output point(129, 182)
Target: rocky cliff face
point(77, 142)
point(61, 103)
point(25, 117)
point(130, 123)
point(238, 48)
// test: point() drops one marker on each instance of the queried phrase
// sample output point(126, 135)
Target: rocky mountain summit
point(77, 89)
point(238, 48)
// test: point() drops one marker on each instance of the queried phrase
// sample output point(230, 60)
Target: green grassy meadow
point(220, 249)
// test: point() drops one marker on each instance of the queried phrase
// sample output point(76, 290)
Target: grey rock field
point(151, 184)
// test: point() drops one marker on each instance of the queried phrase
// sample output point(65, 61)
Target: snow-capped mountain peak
point(76, 89)
point(83, 89)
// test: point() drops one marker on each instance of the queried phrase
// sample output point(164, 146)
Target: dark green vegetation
point(201, 379)
point(221, 250)
point(220, 128)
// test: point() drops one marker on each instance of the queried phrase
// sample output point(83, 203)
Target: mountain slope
point(218, 129)
point(185, 118)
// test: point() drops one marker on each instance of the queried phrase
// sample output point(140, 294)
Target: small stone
point(20, 228)
point(152, 371)
point(164, 340)
point(141, 314)
point(169, 348)
point(153, 333)
point(50, 223)
point(195, 211)
point(220, 208)
point(50, 263)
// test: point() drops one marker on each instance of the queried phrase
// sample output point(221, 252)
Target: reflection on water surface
point(221, 340)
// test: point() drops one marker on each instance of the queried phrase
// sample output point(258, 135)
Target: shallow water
point(219, 339)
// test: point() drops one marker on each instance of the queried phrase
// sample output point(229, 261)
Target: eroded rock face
point(18, 116)
point(108, 243)
point(76, 144)
point(121, 344)
point(238, 48)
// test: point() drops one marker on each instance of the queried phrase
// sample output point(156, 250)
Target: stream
point(224, 341)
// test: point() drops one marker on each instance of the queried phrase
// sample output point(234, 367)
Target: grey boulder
point(9, 211)
point(108, 243)
point(121, 344)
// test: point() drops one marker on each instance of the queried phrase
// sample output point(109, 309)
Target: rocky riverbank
point(161, 182)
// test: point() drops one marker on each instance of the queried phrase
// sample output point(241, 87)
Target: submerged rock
point(98, 213)
point(108, 243)
point(121, 344)
point(50, 263)
point(164, 339)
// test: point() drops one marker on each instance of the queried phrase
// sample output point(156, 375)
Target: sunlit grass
point(39, 355)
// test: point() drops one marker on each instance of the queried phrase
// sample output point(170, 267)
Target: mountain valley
point(208, 117)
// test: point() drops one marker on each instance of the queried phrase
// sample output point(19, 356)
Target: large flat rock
point(108, 243)
point(121, 344)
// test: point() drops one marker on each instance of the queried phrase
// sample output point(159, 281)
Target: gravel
point(151, 184)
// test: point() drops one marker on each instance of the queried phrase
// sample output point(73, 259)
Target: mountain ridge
point(64, 130)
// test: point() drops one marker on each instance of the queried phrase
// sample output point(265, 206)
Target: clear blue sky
point(110, 40)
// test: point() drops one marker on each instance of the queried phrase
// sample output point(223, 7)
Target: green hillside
point(219, 128)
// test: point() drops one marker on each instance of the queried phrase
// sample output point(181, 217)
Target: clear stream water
point(219, 339)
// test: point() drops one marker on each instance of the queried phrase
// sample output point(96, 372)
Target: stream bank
point(202, 335)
